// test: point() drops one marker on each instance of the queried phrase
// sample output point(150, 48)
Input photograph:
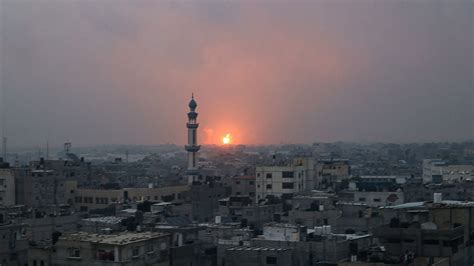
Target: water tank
point(318, 230)
point(321, 208)
point(437, 197)
point(218, 220)
point(325, 230)
point(150, 185)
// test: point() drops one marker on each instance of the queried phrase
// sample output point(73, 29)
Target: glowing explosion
point(226, 139)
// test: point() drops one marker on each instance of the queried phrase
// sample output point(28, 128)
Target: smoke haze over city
point(108, 72)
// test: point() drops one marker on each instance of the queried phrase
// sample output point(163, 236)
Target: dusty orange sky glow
point(263, 71)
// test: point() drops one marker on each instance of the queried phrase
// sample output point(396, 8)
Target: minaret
point(192, 148)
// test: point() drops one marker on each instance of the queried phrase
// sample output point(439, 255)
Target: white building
point(284, 232)
point(437, 171)
point(284, 181)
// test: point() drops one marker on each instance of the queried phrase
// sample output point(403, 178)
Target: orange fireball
point(227, 139)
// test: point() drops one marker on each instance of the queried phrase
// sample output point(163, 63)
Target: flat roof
point(105, 219)
point(240, 248)
point(114, 239)
point(423, 204)
point(245, 177)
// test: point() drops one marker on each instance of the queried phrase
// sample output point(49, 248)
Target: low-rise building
point(13, 241)
point(257, 256)
point(332, 171)
point(244, 185)
point(81, 248)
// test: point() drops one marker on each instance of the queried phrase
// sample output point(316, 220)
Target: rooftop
point(245, 177)
point(105, 219)
point(273, 224)
point(240, 248)
point(424, 204)
point(118, 239)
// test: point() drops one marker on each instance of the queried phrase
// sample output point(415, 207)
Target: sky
point(122, 72)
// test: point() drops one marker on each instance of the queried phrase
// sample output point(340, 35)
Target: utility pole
point(4, 148)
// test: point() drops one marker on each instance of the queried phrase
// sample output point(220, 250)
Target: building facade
point(285, 181)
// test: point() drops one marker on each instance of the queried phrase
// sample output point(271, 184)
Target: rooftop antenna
point(67, 147)
point(47, 150)
point(4, 148)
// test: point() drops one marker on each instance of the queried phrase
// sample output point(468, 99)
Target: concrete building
point(374, 198)
point(438, 171)
point(204, 196)
point(318, 246)
point(7, 185)
point(441, 229)
point(13, 241)
point(284, 232)
point(257, 256)
point(332, 171)
point(89, 199)
point(240, 209)
point(83, 248)
point(69, 167)
point(42, 227)
point(243, 185)
point(285, 181)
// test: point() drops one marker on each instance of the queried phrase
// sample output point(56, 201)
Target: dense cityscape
point(320, 204)
point(236, 133)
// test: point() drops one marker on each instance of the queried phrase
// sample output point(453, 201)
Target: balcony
point(192, 148)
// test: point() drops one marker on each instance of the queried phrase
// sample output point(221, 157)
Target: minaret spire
point(192, 147)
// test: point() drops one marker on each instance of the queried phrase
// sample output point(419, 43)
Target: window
point(430, 242)
point(42, 263)
point(271, 260)
point(269, 186)
point(150, 249)
point(237, 182)
point(376, 200)
point(251, 183)
point(287, 185)
point(74, 253)
point(269, 175)
point(361, 199)
point(287, 174)
point(135, 252)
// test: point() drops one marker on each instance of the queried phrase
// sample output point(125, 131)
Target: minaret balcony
point(192, 125)
point(192, 171)
point(192, 148)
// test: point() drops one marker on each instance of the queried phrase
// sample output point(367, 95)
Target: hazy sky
point(112, 72)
